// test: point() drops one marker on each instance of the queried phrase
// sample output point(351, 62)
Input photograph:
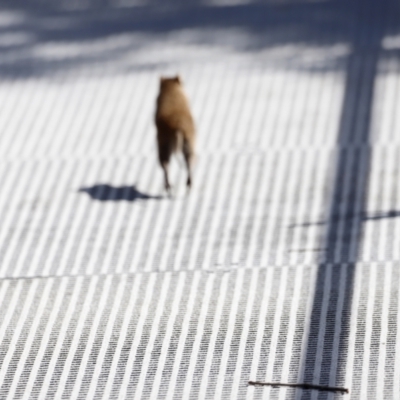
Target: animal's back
point(173, 112)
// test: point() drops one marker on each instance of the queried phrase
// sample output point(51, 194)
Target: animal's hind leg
point(167, 185)
point(164, 153)
point(188, 153)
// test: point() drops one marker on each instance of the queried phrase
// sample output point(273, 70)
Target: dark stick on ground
point(301, 386)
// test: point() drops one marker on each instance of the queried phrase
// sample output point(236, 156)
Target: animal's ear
point(178, 79)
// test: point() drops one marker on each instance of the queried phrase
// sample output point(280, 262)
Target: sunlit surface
point(283, 262)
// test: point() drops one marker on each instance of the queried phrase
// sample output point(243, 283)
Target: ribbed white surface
point(283, 263)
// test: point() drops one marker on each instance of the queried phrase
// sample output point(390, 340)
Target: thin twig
point(302, 386)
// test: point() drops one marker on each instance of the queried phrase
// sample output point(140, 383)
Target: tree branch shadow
point(102, 33)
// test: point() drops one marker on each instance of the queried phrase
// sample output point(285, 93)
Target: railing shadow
point(329, 325)
point(362, 216)
point(327, 337)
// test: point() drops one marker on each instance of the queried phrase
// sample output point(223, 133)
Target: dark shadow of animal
point(105, 192)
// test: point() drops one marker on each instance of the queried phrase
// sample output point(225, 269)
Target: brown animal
point(175, 126)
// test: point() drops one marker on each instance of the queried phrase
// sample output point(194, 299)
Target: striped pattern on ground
point(192, 334)
point(282, 264)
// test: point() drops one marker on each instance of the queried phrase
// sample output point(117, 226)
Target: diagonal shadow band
point(105, 192)
point(324, 358)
